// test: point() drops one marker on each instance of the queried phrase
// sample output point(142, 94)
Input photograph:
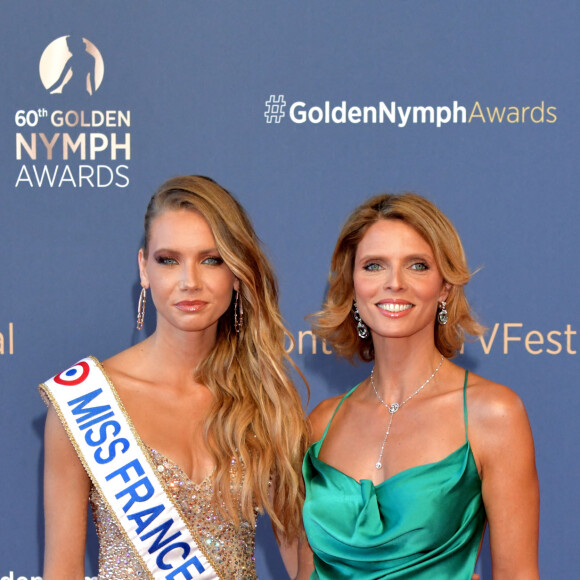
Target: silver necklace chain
point(394, 407)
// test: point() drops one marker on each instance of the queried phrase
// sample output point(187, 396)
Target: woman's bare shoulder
point(497, 420)
point(321, 415)
point(491, 401)
point(122, 361)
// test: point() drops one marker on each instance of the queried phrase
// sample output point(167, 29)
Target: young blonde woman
point(409, 465)
point(202, 427)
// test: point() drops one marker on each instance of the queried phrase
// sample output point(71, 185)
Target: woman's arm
point(297, 558)
point(505, 450)
point(297, 555)
point(66, 493)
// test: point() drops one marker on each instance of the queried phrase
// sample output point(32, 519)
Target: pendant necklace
point(394, 407)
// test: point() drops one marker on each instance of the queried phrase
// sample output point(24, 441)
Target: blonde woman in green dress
point(409, 466)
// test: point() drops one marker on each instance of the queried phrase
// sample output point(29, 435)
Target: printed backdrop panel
point(302, 110)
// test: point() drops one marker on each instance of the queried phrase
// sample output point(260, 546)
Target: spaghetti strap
point(465, 402)
point(346, 396)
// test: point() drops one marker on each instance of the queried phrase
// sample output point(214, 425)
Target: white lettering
point(391, 113)
point(301, 117)
point(423, 111)
point(398, 115)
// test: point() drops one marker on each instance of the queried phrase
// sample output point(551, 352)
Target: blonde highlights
point(335, 323)
point(257, 418)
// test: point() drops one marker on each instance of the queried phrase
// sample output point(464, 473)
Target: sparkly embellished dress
point(231, 550)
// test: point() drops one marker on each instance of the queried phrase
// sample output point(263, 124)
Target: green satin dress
point(424, 523)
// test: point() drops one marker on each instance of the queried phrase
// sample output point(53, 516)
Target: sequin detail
point(231, 549)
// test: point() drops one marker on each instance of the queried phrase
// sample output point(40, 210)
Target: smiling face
point(190, 285)
point(397, 284)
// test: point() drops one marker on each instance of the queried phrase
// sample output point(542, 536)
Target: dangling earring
point(361, 327)
point(141, 308)
point(442, 315)
point(238, 313)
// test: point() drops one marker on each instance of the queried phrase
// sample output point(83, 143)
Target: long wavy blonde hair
point(334, 322)
point(257, 414)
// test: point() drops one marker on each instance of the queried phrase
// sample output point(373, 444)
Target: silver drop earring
point(442, 315)
point(361, 327)
point(141, 308)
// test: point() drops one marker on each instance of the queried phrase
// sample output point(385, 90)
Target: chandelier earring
point(361, 328)
point(238, 313)
point(141, 308)
point(442, 315)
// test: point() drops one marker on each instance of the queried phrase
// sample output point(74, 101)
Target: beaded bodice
point(231, 549)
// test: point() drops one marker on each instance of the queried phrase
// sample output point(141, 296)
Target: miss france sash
point(115, 459)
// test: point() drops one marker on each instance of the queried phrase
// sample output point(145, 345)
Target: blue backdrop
point(302, 110)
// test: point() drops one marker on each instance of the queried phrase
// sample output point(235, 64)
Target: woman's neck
point(175, 354)
point(403, 365)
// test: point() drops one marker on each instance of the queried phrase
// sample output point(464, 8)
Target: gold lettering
point(57, 119)
point(479, 114)
point(124, 118)
point(98, 142)
point(514, 115)
point(551, 340)
point(538, 108)
point(524, 109)
point(97, 118)
point(71, 115)
point(487, 347)
point(49, 144)
point(301, 335)
point(30, 149)
point(495, 113)
point(552, 115)
point(126, 146)
point(569, 332)
point(290, 343)
point(506, 337)
point(10, 340)
point(530, 341)
point(533, 340)
point(68, 143)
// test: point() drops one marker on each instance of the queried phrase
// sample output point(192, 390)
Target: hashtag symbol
point(275, 109)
